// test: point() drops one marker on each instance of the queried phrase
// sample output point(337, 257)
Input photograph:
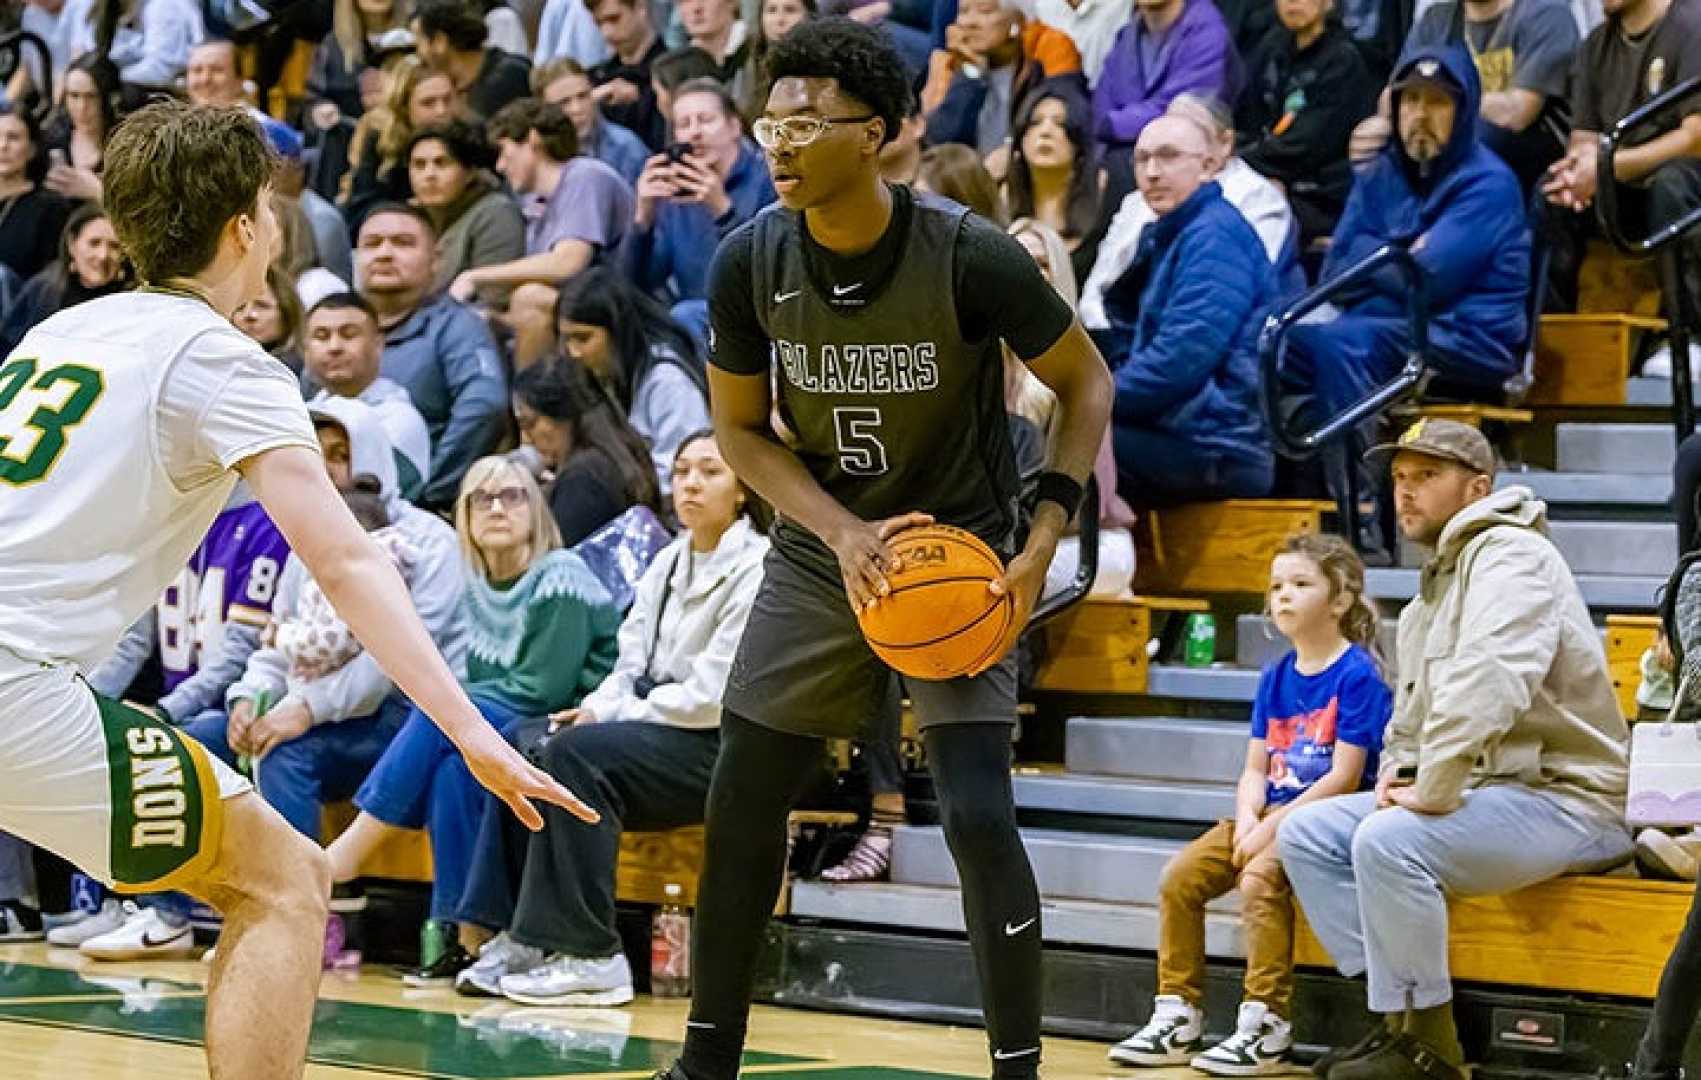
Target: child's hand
point(1662, 653)
point(1245, 825)
point(1253, 842)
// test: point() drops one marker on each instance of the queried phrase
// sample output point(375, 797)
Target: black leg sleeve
point(759, 775)
point(1001, 906)
point(1677, 1004)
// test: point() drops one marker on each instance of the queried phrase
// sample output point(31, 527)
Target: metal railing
point(12, 54)
point(1663, 242)
point(1051, 607)
point(1273, 351)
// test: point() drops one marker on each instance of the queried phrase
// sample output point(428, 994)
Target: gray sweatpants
point(1374, 883)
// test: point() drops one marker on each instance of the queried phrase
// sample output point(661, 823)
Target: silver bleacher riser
point(1615, 448)
point(1222, 682)
point(1654, 390)
point(1193, 751)
point(1068, 865)
point(1602, 592)
point(1257, 642)
point(1063, 922)
point(1156, 800)
point(1606, 548)
point(1643, 492)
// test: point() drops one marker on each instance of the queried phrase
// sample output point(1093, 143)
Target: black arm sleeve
point(1001, 292)
point(737, 342)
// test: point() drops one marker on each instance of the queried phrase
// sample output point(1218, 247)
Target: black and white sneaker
point(19, 922)
point(1260, 1044)
point(1171, 1037)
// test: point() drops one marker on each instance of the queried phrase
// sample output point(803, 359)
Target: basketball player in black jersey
point(879, 315)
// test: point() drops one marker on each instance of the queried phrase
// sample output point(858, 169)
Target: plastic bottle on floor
point(670, 946)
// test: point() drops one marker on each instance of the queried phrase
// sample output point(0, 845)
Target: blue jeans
point(324, 765)
point(422, 782)
point(1374, 883)
point(1156, 469)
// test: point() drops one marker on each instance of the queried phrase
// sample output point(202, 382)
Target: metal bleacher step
point(1156, 748)
point(1067, 865)
point(1108, 796)
point(1222, 682)
point(1652, 390)
point(1648, 449)
point(1607, 548)
point(1632, 490)
point(1257, 642)
point(1063, 922)
point(1602, 592)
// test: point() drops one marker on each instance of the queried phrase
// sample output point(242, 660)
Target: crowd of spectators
point(499, 220)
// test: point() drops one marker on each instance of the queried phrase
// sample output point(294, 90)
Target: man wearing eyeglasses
point(1184, 321)
point(882, 317)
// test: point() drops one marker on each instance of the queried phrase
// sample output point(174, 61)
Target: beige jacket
point(1503, 678)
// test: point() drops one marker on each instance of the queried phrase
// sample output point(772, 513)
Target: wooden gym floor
point(62, 1016)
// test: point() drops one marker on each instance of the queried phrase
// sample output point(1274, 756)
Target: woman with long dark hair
point(79, 127)
point(1054, 174)
point(601, 467)
point(645, 362)
point(31, 217)
point(90, 264)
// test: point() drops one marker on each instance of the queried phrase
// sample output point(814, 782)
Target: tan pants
point(1201, 872)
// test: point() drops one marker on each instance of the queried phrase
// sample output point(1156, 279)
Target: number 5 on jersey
point(34, 425)
point(861, 453)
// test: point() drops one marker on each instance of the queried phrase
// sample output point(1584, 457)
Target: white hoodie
point(358, 688)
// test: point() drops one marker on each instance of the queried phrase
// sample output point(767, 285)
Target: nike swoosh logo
point(780, 298)
point(846, 290)
point(1007, 1055)
point(150, 941)
point(706, 1026)
point(1011, 930)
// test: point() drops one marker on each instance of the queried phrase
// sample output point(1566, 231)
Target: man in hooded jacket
point(1437, 191)
point(1505, 763)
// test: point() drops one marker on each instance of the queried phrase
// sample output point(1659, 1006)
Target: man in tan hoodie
point(1505, 763)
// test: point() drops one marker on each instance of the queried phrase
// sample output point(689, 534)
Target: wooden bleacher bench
point(1585, 359)
point(1468, 413)
point(1218, 547)
point(1099, 646)
point(1596, 935)
point(1627, 638)
point(649, 861)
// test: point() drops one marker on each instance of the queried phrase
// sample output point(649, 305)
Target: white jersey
point(121, 421)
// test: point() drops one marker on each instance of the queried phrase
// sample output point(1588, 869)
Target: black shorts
point(804, 667)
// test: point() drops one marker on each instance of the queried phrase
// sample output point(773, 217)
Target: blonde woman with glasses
point(540, 634)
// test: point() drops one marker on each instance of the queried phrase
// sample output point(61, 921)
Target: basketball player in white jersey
point(124, 423)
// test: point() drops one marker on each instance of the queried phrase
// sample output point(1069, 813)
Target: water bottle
point(670, 946)
point(1201, 647)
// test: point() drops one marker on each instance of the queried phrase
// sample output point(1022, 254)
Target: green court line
point(491, 1042)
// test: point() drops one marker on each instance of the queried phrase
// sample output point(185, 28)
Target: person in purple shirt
point(1171, 47)
point(580, 208)
point(208, 621)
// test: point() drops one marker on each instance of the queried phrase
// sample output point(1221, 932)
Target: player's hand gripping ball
point(939, 621)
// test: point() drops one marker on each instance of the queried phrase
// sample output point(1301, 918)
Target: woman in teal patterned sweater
point(540, 635)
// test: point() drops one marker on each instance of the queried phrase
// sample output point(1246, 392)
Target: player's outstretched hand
point(516, 781)
point(865, 557)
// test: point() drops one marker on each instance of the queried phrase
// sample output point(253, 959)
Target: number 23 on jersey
point(38, 410)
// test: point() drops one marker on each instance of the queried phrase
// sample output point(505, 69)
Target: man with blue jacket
point(1439, 192)
point(1184, 328)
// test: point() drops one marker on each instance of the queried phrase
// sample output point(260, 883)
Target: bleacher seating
point(1219, 547)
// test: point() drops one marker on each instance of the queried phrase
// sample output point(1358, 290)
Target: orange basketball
point(939, 621)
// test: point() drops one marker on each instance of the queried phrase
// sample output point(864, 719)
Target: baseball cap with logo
point(1446, 439)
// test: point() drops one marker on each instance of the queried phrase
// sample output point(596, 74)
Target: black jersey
point(895, 406)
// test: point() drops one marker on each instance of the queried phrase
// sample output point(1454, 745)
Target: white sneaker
point(501, 955)
point(90, 924)
point(144, 936)
point(1659, 364)
point(1172, 1036)
point(1259, 1045)
point(573, 980)
point(1674, 857)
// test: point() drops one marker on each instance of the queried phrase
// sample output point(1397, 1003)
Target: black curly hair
point(860, 58)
